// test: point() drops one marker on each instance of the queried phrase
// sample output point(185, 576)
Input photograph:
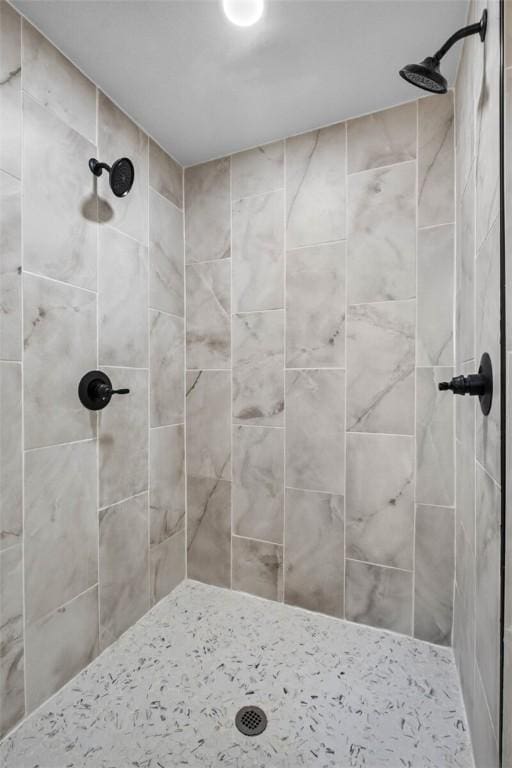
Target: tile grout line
point(285, 331)
point(97, 417)
point(231, 347)
point(185, 325)
point(148, 382)
point(22, 376)
point(345, 394)
point(415, 437)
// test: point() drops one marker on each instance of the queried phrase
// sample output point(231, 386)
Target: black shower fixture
point(427, 74)
point(95, 390)
point(121, 173)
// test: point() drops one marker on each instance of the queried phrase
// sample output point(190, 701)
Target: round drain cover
point(251, 721)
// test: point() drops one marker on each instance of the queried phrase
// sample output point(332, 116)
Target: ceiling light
point(243, 13)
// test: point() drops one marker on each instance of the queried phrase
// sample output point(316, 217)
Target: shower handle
point(475, 384)
point(95, 390)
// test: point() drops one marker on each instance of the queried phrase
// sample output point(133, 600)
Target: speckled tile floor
point(166, 694)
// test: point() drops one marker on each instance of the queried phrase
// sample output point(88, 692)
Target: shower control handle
point(95, 390)
point(475, 384)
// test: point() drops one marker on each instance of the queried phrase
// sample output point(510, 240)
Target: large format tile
point(380, 513)
point(380, 366)
point(123, 566)
point(53, 80)
point(10, 267)
point(315, 186)
point(258, 568)
point(10, 90)
point(314, 551)
point(11, 452)
point(315, 307)
point(166, 369)
point(433, 576)
point(436, 158)
point(465, 276)
point(209, 315)
point(123, 438)
point(59, 336)
point(465, 112)
point(435, 296)
point(123, 300)
point(167, 482)
point(381, 597)
point(382, 138)
point(59, 207)
point(61, 525)
point(382, 234)
point(165, 174)
point(258, 252)
point(258, 362)
point(315, 430)
point(58, 646)
point(258, 483)
point(209, 530)
point(435, 450)
point(209, 424)
point(257, 170)
point(166, 256)
point(484, 741)
point(119, 137)
point(207, 211)
point(167, 566)
point(12, 684)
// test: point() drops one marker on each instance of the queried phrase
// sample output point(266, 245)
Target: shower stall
point(253, 404)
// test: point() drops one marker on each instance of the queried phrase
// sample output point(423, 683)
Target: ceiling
point(204, 88)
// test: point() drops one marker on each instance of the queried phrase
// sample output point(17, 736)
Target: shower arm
point(97, 168)
point(472, 29)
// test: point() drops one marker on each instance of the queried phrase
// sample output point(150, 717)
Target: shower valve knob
point(95, 390)
point(475, 384)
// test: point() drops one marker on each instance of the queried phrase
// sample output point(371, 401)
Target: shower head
point(121, 174)
point(426, 74)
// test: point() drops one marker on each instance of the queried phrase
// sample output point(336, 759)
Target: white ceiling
point(204, 88)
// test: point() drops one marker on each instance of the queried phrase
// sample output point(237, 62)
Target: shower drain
point(251, 721)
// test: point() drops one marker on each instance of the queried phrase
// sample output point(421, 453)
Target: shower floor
point(166, 694)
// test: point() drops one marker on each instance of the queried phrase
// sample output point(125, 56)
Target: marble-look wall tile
point(59, 330)
point(315, 307)
point(314, 552)
point(167, 566)
point(209, 315)
point(380, 367)
point(435, 454)
point(258, 483)
point(465, 487)
point(59, 208)
point(123, 438)
point(53, 80)
point(257, 170)
point(10, 267)
point(208, 421)
point(12, 684)
point(209, 530)
point(488, 543)
point(258, 568)
point(464, 616)
point(315, 186)
point(123, 300)
point(258, 252)
point(465, 275)
point(11, 465)
point(315, 430)
point(61, 526)
point(10, 90)
point(483, 735)
point(380, 513)
point(207, 211)
point(436, 160)
point(434, 573)
point(118, 136)
point(167, 482)
point(258, 361)
point(166, 256)
point(381, 251)
point(166, 369)
point(58, 646)
point(380, 597)
point(123, 567)
point(165, 174)
point(382, 138)
point(436, 258)
point(465, 113)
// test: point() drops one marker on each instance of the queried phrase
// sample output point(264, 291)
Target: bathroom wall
point(92, 505)
point(477, 591)
point(319, 319)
